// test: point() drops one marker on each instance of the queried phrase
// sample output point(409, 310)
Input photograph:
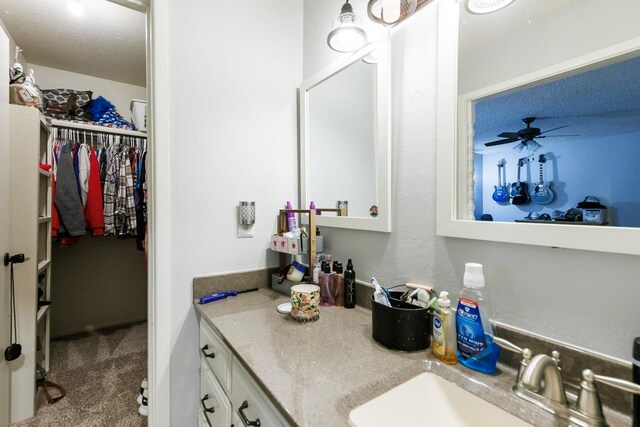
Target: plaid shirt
point(111, 194)
point(126, 205)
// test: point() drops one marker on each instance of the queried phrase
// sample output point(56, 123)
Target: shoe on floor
point(143, 387)
point(144, 406)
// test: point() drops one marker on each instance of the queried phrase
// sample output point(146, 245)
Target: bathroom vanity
point(317, 373)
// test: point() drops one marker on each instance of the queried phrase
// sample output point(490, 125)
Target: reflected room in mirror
point(563, 148)
point(342, 140)
point(345, 141)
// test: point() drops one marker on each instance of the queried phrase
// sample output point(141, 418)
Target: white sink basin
point(428, 400)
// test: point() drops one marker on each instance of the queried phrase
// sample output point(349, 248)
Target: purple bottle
point(291, 218)
point(327, 290)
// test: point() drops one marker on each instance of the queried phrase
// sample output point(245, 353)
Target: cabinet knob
point(204, 405)
point(246, 420)
point(210, 355)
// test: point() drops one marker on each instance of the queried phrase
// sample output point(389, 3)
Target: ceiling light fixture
point(75, 8)
point(347, 34)
point(389, 12)
point(480, 7)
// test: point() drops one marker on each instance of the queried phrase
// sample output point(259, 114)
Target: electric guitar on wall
point(500, 192)
point(519, 193)
point(541, 193)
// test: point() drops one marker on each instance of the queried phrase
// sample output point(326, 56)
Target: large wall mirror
point(345, 143)
point(540, 124)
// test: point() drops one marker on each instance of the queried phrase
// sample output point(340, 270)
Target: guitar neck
point(541, 181)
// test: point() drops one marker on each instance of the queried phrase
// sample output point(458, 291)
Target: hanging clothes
point(126, 208)
point(83, 172)
point(67, 198)
point(111, 193)
point(94, 214)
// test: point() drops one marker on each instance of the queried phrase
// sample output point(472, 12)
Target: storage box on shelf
point(228, 394)
point(31, 234)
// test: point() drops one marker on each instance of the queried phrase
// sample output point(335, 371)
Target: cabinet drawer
point(249, 402)
point(214, 404)
point(216, 355)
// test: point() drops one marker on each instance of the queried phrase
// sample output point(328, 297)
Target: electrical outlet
point(244, 231)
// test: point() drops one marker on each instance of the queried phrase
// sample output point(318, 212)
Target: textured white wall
point(120, 94)
point(233, 137)
point(574, 296)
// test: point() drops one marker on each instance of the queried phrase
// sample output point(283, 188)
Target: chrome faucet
point(543, 376)
point(540, 381)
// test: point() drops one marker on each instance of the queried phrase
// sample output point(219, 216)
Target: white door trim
point(159, 286)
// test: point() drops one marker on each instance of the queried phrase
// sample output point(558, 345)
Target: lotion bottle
point(476, 349)
point(444, 330)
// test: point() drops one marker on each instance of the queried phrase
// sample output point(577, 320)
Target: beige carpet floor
point(102, 372)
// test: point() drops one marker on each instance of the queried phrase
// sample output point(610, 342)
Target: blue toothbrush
point(222, 295)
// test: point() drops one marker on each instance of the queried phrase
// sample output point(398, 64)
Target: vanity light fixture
point(389, 12)
point(347, 34)
point(480, 7)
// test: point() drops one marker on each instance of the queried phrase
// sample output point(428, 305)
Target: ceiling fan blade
point(553, 136)
point(510, 135)
point(551, 130)
point(500, 142)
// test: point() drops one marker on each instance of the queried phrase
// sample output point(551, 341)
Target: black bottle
point(349, 286)
point(636, 379)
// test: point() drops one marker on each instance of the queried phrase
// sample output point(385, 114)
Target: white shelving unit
point(31, 234)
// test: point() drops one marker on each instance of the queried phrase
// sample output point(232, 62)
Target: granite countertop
point(317, 372)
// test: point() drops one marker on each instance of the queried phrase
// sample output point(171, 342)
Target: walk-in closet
point(75, 304)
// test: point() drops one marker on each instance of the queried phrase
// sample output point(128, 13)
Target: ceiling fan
point(526, 135)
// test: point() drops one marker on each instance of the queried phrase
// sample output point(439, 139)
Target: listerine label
point(471, 338)
point(438, 336)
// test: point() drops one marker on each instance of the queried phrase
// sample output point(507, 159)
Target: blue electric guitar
point(541, 193)
point(500, 192)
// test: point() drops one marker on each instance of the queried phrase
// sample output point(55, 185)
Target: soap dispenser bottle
point(476, 349)
point(444, 330)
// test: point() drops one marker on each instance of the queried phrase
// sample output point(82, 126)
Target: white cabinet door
point(216, 354)
point(249, 402)
point(214, 404)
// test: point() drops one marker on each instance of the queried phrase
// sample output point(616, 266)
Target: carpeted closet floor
point(102, 372)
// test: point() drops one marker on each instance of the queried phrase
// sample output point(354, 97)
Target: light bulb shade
point(347, 34)
point(480, 7)
point(519, 147)
point(388, 12)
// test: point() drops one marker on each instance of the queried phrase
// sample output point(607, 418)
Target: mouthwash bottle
point(476, 349)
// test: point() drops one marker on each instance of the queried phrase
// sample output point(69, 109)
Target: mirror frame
point(382, 222)
point(455, 148)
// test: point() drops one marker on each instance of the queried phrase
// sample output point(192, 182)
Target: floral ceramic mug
point(305, 302)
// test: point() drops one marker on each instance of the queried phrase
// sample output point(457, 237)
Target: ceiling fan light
point(347, 34)
point(519, 147)
point(480, 7)
point(389, 12)
point(533, 146)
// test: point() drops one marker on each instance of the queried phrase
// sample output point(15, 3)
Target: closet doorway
point(89, 58)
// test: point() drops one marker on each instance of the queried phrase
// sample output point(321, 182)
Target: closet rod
point(63, 124)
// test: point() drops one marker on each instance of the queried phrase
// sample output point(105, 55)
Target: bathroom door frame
point(159, 278)
point(158, 209)
point(5, 224)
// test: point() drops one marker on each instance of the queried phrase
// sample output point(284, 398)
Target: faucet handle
point(588, 403)
point(526, 355)
point(507, 345)
point(618, 383)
